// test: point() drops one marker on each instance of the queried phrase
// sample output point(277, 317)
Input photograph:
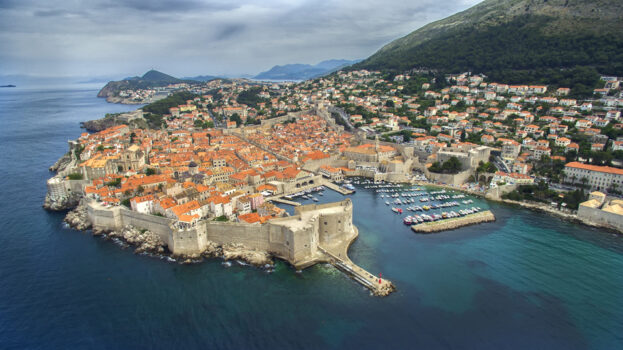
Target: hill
point(201, 78)
point(152, 78)
point(303, 71)
point(516, 41)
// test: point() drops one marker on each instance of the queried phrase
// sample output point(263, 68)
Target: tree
point(236, 118)
point(150, 171)
point(450, 166)
point(75, 176)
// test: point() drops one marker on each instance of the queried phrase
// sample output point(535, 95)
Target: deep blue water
point(527, 281)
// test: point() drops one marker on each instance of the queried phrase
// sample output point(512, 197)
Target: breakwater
point(454, 223)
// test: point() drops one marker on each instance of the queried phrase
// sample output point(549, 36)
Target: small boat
point(386, 203)
point(407, 221)
point(315, 199)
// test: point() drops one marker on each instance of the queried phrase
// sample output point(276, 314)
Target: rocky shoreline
point(61, 163)
point(451, 224)
point(66, 204)
point(147, 242)
point(545, 209)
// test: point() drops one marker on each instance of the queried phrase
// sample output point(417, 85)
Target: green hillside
point(565, 42)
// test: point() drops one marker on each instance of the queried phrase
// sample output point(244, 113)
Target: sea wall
point(600, 217)
point(294, 238)
point(454, 223)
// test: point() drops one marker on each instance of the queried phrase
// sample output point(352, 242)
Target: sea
point(525, 281)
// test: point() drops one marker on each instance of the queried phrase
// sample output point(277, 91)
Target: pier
point(336, 188)
point(337, 254)
point(454, 223)
point(284, 201)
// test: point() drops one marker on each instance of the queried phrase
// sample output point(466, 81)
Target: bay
point(525, 281)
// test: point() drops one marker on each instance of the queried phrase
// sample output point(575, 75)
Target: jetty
point(284, 201)
point(454, 223)
point(337, 188)
point(338, 257)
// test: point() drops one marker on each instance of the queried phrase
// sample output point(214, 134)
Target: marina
point(424, 205)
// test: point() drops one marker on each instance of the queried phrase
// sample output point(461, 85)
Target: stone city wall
point(285, 238)
point(601, 217)
point(449, 179)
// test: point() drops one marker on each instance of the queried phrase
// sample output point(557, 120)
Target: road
point(343, 115)
point(501, 165)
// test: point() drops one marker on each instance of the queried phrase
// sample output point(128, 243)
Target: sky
point(200, 37)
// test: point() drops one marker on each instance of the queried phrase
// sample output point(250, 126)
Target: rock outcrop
point(145, 241)
point(385, 289)
point(101, 124)
point(61, 205)
point(78, 219)
point(251, 256)
point(61, 163)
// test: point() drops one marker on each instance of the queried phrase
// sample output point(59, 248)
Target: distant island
point(10, 85)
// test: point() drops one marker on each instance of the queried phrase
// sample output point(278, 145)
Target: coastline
point(148, 243)
point(534, 206)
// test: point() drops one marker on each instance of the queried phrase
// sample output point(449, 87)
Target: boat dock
point(337, 188)
point(454, 223)
point(284, 201)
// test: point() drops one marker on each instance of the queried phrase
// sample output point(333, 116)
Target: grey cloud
point(192, 37)
point(165, 6)
point(229, 31)
point(9, 4)
point(57, 13)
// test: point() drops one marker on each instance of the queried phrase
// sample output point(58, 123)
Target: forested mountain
point(517, 41)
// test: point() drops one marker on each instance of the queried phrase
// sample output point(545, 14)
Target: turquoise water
point(524, 281)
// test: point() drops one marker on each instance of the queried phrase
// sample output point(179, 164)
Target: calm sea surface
point(527, 281)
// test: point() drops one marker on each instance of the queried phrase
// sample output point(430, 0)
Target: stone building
point(595, 177)
point(600, 209)
point(132, 159)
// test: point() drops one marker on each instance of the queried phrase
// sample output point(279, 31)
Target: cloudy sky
point(192, 37)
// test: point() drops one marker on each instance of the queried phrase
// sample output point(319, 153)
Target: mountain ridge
point(514, 40)
point(300, 71)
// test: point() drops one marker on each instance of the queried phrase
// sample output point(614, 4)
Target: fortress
point(316, 233)
point(294, 238)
